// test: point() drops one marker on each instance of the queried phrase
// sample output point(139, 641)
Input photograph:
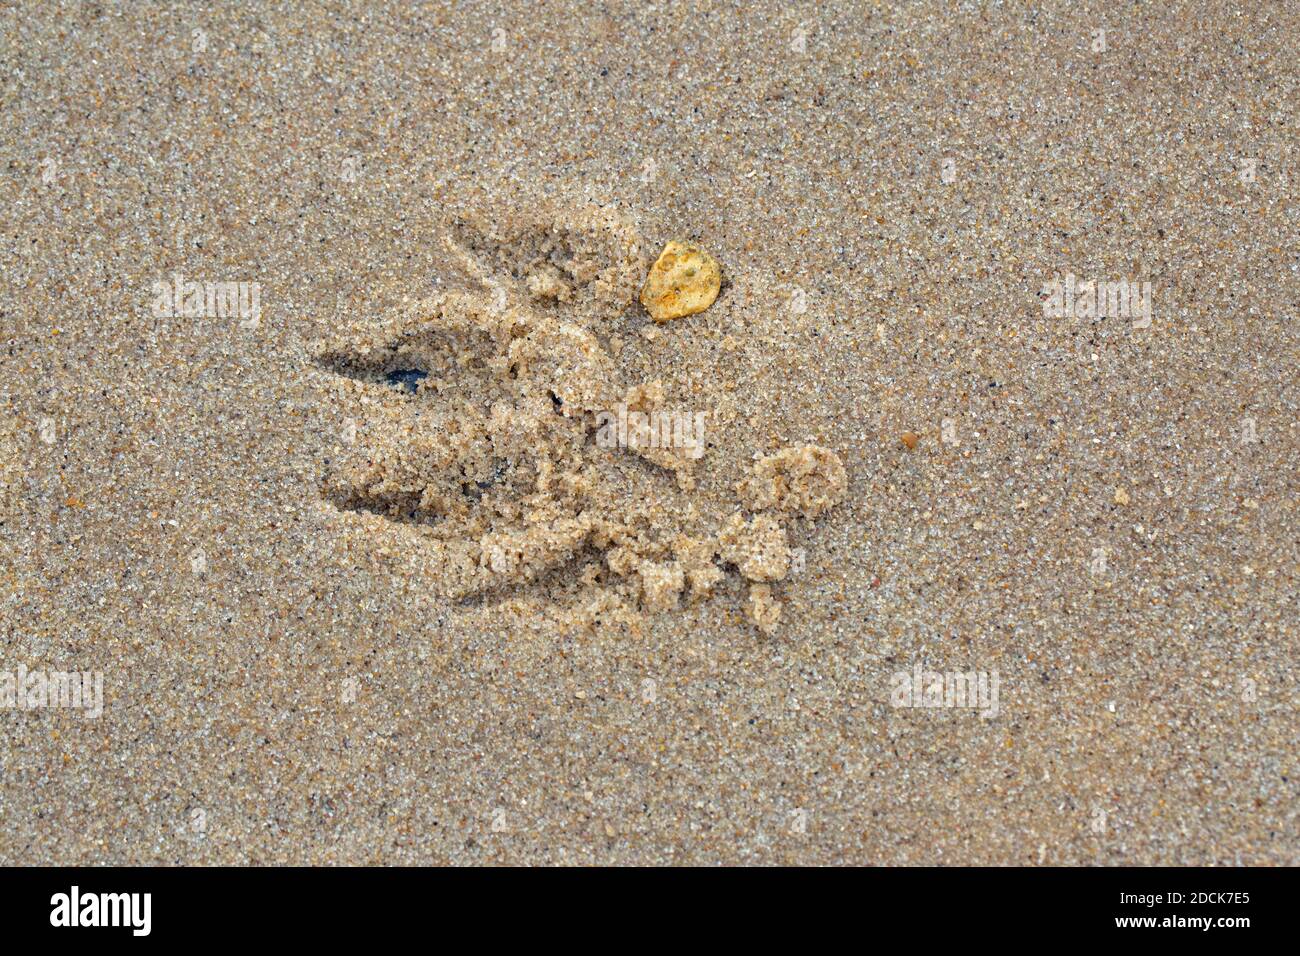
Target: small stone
point(909, 439)
point(1121, 496)
point(684, 280)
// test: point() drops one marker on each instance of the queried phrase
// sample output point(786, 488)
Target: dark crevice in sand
point(547, 585)
point(407, 378)
point(403, 510)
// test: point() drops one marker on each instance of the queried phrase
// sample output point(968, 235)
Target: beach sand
point(1094, 514)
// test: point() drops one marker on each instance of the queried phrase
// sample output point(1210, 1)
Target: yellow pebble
point(684, 280)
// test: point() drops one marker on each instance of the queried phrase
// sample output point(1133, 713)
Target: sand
point(1094, 514)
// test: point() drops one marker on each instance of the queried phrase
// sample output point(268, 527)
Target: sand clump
point(696, 558)
point(757, 547)
point(764, 610)
point(807, 480)
point(661, 584)
point(486, 463)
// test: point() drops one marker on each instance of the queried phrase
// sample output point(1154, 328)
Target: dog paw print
point(503, 440)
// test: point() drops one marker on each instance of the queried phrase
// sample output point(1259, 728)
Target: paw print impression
point(499, 439)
